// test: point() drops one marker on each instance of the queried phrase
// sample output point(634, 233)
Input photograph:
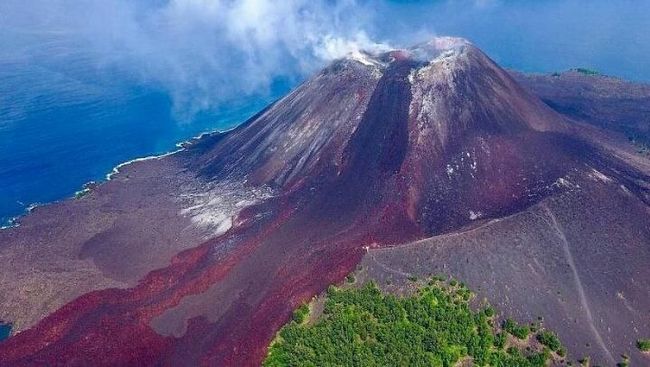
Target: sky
point(210, 52)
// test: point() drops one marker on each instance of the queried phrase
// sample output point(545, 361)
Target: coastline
point(87, 187)
point(181, 146)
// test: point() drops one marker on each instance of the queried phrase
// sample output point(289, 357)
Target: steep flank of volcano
point(449, 88)
point(375, 151)
point(298, 135)
point(417, 125)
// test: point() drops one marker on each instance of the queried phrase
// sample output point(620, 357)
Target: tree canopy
point(433, 327)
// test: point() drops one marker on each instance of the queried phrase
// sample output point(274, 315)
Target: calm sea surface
point(65, 120)
point(5, 330)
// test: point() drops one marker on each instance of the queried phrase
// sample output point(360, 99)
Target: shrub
point(500, 340)
point(366, 327)
point(587, 71)
point(489, 311)
point(643, 345)
point(516, 330)
point(439, 277)
point(550, 340)
point(301, 313)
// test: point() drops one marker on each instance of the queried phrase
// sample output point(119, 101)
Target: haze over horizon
point(208, 52)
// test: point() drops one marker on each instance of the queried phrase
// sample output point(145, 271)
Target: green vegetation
point(625, 362)
point(500, 340)
point(516, 330)
point(643, 345)
point(587, 71)
point(489, 311)
point(549, 339)
point(301, 313)
point(367, 327)
point(438, 278)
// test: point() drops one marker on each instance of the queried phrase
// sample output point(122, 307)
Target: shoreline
point(14, 222)
point(181, 146)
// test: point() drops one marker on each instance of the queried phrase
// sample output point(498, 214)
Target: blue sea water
point(49, 151)
point(65, 120)
point(5, 331)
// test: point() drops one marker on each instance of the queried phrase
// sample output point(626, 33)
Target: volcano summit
point(411, 161)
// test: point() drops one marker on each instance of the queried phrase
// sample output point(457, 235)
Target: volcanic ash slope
point(432, 154)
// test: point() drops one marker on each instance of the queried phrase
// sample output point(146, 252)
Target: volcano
point(431, 157)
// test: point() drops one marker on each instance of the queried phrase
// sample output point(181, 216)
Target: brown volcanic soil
point(110, 238)
point(579, 260)
point(374, 151)
point(599, 100)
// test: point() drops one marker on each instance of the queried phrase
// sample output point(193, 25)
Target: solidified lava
point(372, 152)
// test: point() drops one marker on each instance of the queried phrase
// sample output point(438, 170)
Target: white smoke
point(203, 52)
point(330, 47)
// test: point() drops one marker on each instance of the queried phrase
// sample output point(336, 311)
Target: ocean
point(63, 123)
point(67, 119)
point(5, 331)
point(50, 151)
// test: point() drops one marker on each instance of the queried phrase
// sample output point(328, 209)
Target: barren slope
point(374, 151)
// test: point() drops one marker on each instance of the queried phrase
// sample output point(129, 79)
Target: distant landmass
point(534, 190)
